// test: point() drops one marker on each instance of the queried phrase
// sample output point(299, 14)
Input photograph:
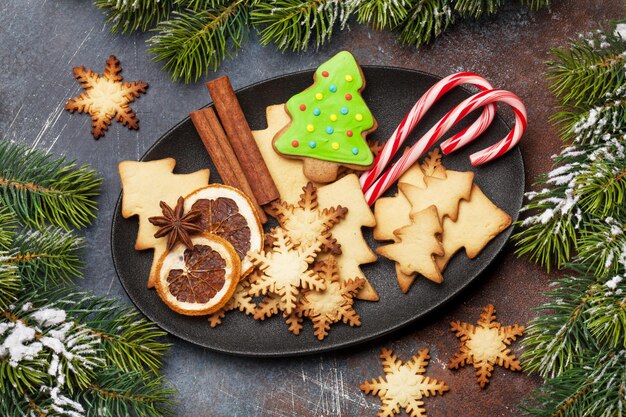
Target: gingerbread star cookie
point(144, 186)
point(417, 245)
point(404, 385)
point(332, 304)
point(485, 345)
point(106, 97)
point(285, 270)
point(307, 222)
point(241, 300)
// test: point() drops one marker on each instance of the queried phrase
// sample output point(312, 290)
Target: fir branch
point(602, 246)
point(191, 42)
point(425, 21)
point(128, 393)
point(199, 5)
point(38, 346)
point(476, 8)
point(555, 339)
point(583, 126)
point(382, 14)
point(601, 184)
point(597, 388)
point(293, 24)
point(536, 4)
point(549, 234)
point(40, 188)
point(8, 226)
point(10, 284)
point(131, 343)
point(131, 15)
point(585, 182)
point(607, 313)
point(45, 258)
point(590, 69)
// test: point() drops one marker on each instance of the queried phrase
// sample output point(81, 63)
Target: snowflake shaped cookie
point(305, 222)
point(485, 345)
point(241, 300)
point(106, 97)
point(334, 303)
point(404, 385)
point(285, 270)
point(271, 304)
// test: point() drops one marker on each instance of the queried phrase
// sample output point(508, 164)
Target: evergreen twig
point(426, 20)
point(45, 258)
point(39, 188)
point(131, 342)
point(588, 70)
point(192, 42)
point(382, 14)
point(578, 342)
point(64, 352)
point(128, 16)
point(293, 24)
point(195, 36)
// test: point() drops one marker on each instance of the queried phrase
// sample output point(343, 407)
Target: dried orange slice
point(228, 213)
point(198, 281)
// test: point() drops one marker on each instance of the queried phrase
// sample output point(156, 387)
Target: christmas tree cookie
point(329, 122)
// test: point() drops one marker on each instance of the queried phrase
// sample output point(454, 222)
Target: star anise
point(176, 225)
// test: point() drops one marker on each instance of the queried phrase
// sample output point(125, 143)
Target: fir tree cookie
point(417, 245)
point(144, 186)
point(329, 122)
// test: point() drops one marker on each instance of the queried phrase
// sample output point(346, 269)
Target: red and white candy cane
point(419, 110)
point(444, 125)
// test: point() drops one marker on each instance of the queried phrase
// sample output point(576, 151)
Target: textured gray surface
point(40, 42)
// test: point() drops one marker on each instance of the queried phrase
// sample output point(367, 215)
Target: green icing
point(330, 137)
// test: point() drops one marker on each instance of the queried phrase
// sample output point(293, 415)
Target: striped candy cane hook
point(444, 125)
point(419, 110)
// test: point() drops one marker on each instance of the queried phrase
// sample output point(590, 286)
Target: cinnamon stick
point(222, 154)
point(242, 141)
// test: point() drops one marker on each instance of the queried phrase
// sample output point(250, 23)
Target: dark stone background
point(40, 42)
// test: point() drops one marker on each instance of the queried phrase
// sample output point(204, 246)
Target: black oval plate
point(390, 94)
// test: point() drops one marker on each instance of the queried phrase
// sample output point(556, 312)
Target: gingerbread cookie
point(289, 179)
point(404, 385)
point(485, 345)
point(417, 245)
point(479, 221)
point(306, 222)
point(354, 249)
point(329, 122)
point(445, 194)
point(333, 303)
point(285, 270)
point(144, 186)
point(106, 97)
